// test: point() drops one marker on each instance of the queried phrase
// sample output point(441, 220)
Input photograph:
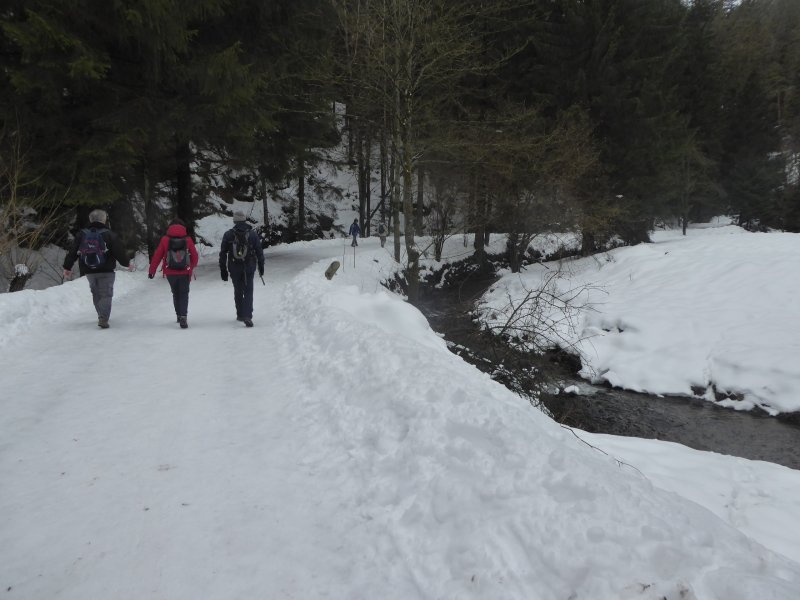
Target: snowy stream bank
point(692, 422)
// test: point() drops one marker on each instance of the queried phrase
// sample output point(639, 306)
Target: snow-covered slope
point(718, 308)
point(335, 450)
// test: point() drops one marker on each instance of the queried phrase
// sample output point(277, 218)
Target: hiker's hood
point(176, 230)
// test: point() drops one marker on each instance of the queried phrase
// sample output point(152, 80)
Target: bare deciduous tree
point(406, 57)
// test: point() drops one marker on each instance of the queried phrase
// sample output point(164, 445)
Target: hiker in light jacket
point(383, 231)
point(101, 277)
point(241, 239)
point(178, 257)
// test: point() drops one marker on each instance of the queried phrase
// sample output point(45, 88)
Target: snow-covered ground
point(339, 450)
point(719, 308)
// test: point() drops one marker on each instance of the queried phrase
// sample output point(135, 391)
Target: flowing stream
point(693, 422)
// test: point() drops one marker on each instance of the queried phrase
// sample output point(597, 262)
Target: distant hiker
point(355, 231)
point(239, 254)
point(382, 233)
point(178, 257)
point(97, 250)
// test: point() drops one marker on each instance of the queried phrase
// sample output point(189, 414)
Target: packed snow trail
point(335, 450)
point(146, 443)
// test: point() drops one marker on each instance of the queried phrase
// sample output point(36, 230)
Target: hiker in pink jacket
point(178, 257)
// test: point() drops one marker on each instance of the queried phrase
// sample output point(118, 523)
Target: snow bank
point(716, 309)
point(72, 300)
point(760, 499)
point(452, 487)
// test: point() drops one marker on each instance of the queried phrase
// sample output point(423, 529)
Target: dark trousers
point(180, 293)
point(242, 277)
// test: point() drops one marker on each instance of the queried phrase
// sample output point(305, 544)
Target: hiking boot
point(248, 322)
point(182, 321)
point(102, 323)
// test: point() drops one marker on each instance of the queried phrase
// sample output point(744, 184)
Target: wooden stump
point(331, 270)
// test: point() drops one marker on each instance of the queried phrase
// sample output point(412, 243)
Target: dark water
point(693, 422)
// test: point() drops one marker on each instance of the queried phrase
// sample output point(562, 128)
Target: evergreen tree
point(52, 93)
point(751, 166)
point(139, 93)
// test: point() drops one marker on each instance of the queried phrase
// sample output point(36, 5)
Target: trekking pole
point(354, 257)
point(262, 280)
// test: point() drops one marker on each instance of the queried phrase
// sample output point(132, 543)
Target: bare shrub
point(28, 216)
point(544, 317)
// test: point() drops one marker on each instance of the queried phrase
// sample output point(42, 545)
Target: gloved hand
point(260, 270)
point(67, 274)
point(151, 275)
point(224, 275)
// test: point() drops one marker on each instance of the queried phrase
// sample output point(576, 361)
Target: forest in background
point(598, 116)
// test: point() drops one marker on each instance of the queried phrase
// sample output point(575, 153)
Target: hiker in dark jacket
point(355, 231)
point(98, 267)
point(178, 257)
point(237, 241)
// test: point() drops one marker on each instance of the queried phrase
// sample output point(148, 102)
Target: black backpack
point(240, 246)
point(92, 248)
point(178, 257)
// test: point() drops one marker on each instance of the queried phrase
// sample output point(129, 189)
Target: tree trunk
point(183, 172)
point(395, 191)
point(419, 213)
point(301, 197)
point(362, 178)
point(487, 217)
point(348, 126)
point(366, 229)
point(149, 211)
point(412, 268)
point(588, 243)
point(264, 203)
point(438, 226)
point(81, 216)
point(512, 248)
point(480, 224)
point(383, 177)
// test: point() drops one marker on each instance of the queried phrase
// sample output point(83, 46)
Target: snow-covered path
point(142, 444)
point(335, 450)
